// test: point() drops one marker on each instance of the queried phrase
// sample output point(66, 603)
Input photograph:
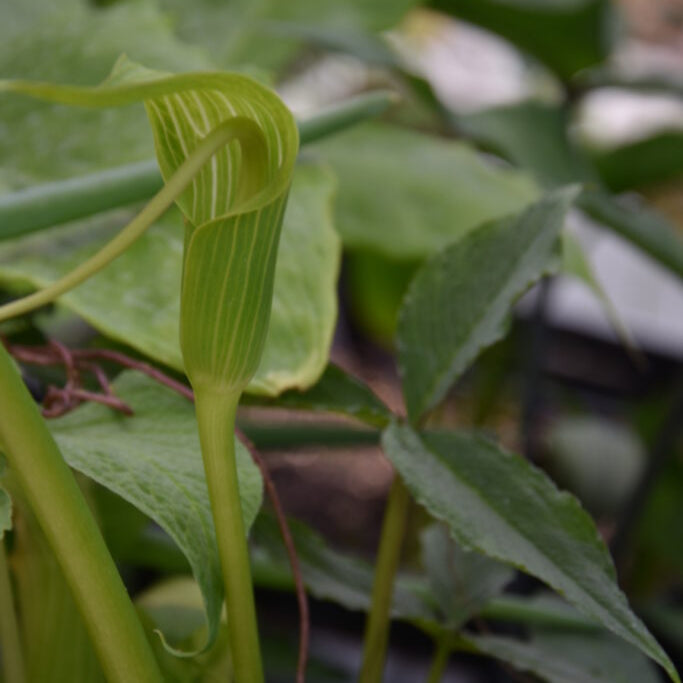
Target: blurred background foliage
point(500, 101)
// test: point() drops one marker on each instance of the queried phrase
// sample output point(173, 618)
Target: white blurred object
point(469, 68)
point(332, 78)
point(611, 117)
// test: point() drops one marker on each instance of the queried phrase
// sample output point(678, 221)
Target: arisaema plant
point(226, 148)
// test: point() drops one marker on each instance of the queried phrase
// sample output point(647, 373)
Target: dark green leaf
point(335, 392)
point(153, 461)
point(406, 195)
point(653, 160)
point(566, 35)
point(497, 503)
point(459, 301)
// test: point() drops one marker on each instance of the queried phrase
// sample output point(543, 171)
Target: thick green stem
point(216, 421)
point(10, 643)
point(378, 622)
point(48, 204)
point(58, 504)
point(440, 660)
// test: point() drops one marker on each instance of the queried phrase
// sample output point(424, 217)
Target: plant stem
point(378, 622)
point(60, 508)
point(42, 206)
point(10, 643)
point(509, 608)
point(48, 204)
point(216, 421)
point(442, 654)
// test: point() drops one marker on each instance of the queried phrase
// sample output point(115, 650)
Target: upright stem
point(440, 660)
point(58, 504)
point(377, 625)
point(10, 644)
point(216, 421)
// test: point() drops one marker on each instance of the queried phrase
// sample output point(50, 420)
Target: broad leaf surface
point(460, 300)
point(497, 503)
point(566, 657)
point(462, 581)
point(406, 194)
point(72, 41)
point(335, 392)
point(566, 35)
point(153, 461)
point(145, 312)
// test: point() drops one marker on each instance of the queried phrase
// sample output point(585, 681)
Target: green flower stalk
point(226, 148)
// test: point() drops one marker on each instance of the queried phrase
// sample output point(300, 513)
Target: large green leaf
point(145, 313)
point(497, 503)
point(566, 657)
point(566, 35)
point(153, 461)
point(72, 41)
point(406, 194)
point(460, 300)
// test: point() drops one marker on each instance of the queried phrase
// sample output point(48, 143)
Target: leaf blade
point(459, 301)
point(497, 503)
